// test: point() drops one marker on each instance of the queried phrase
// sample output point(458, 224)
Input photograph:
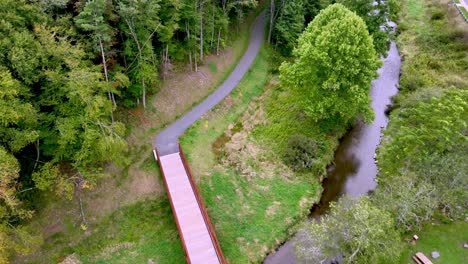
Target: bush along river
point(354, 171)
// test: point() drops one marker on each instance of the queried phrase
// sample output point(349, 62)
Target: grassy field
point(447, 239)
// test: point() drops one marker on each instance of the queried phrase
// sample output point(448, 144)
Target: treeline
point(290, 17)
point(66, 66)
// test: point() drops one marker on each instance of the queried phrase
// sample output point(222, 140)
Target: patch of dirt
point(71, 259)
point(111, 194)
point(109, 250)
point(271, 210)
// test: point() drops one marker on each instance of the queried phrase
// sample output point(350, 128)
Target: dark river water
point(354, 170)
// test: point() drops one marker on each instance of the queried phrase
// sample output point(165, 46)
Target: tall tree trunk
point(106, 75)
point(213, 29)
point(272, 16)
point(38, 154)
point(144, 92)
point(167, 55)
point(187, 29)
point(219, 37)
point(196, 65)
point(201, 30)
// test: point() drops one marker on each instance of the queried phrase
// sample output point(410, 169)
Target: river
point(354, 171)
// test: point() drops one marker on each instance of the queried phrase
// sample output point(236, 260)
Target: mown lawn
point(447, 239)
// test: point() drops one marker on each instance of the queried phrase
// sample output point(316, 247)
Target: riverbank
point(424, 150)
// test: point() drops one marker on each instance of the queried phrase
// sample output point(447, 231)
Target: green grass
point(212, 67)
point(239, 208)
point(147, 228)
point(199, 138)
point(285, 119)
point(136, 233)
point(447, 239)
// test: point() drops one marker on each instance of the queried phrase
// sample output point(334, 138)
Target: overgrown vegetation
point(422, 159)
point(301, 152)
point(354, 230)
point(247, 182)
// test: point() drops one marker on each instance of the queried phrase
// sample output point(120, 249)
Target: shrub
point(437, 14)
point(301, 152)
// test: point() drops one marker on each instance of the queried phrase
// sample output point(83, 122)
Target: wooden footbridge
point(194, 225)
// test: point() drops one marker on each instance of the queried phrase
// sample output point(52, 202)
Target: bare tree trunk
point(143, 88)
point(144, 92)
point(37, 154)
point(187, 29)
point(213, 30)
point(219, 37)
point(167, 55)
point(82, 212)
point(196, 66)
point(190, 59)
point(272, 15)
point(106, 75)
point(201, 30)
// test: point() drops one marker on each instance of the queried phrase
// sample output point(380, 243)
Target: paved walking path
point(166, 140)
point(464, 4)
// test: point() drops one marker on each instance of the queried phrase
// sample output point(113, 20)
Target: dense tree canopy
point(334, 64)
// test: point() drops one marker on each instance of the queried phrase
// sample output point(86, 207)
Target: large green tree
point(334, 64)
point(355, 230)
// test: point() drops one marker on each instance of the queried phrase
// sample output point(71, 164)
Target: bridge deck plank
point(199, 245)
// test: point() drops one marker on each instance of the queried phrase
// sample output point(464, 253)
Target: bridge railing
point(203, 210)
point(201, 206)
point(172, 206)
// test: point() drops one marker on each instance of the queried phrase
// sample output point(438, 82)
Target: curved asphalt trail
point(166, 141)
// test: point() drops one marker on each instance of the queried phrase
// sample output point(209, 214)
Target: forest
point(67, 68)
point(74, 72)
